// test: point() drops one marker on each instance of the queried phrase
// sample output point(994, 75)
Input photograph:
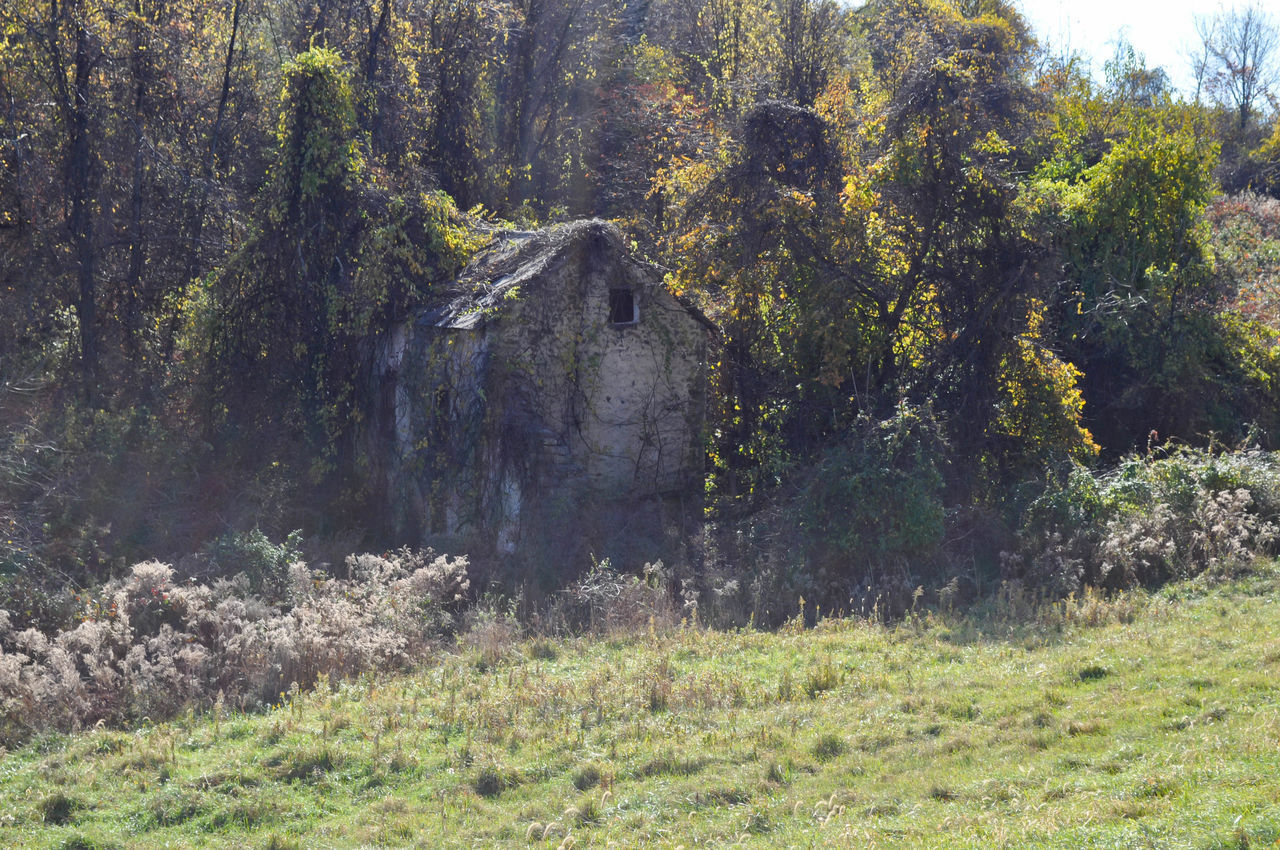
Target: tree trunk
point(376, 33)
point(137, 259)
point(79, 176)
point(196, 225)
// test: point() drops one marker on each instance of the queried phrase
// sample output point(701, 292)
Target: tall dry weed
point(148, 645)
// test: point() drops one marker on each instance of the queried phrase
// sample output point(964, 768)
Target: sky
point(1162, 30)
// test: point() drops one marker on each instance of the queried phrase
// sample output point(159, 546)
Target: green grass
point(1147, 722)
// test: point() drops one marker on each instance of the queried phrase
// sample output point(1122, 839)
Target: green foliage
point(877, 498)
point(251, 553)
point(892, 264)
point(337, 256)
point(1039, 409)
point(319, 158)
point(205, 247)
point(1125, 186)
point(1135, 218)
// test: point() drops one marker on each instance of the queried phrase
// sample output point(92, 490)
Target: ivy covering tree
point(334, 258)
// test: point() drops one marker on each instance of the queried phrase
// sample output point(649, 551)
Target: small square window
point(623, 309)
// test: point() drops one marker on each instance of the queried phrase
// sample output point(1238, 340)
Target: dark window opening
point(622, 307)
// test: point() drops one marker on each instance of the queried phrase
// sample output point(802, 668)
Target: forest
point(986, 316)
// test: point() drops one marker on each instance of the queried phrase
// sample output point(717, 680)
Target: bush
point(31, 602)
point(879, 495)
point(1246, 243)
point(491, 633)
point(57, 809)
point(147, 646)
point(252, 554)
point(1165, 515)
point(587, 777)
point(489, 782)
point(606, 601)
point(857, 532)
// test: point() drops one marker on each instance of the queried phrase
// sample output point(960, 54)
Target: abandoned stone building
point(551, 401)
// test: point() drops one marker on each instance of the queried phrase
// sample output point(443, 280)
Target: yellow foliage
point(1040, 403)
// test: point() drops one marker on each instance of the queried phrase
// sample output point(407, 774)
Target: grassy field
point(1148, 721)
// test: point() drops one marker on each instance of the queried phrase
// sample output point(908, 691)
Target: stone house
point(551, 402)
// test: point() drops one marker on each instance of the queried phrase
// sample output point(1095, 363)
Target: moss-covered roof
point(512, 260)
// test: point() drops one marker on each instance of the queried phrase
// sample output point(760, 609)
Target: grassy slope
point(1159, 732)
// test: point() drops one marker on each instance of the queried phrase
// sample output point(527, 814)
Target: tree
point(911, 275)
point(457, 69)
point(107, 103)
point(334, 258)
point(813, 36)
point(1240, 63)
point(649, 120)
point(956, 114)
point(728, 47)
point(273, 300)
point(547, 96)
point(61, 46)
point(1124, 191)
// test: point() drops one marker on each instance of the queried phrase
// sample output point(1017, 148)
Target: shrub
point(755, 570)
point(57, 809)
point(828, 747)
point(609, 602)
point(1166, 515)
point(81, 842)
point(252, 554)
point(1246, 242)
point(587, 777)
point(489, 782)
point(869, 519)
point(491, 633)
point(31, 602)
point(147, 646)
point(878, 496)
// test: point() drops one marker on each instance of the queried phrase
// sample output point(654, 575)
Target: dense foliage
point(948, 268)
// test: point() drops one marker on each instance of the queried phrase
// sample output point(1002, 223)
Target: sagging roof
point(512, 259)
point(515, 258)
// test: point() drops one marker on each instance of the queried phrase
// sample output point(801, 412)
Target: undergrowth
point(148, 645)
point(1169, 515)
point(1134, 719)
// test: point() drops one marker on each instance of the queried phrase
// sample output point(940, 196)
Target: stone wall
point(625, 401)
point(540, 418)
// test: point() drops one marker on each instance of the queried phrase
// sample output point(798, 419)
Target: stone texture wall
point(539, 417)
point(624, 401)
